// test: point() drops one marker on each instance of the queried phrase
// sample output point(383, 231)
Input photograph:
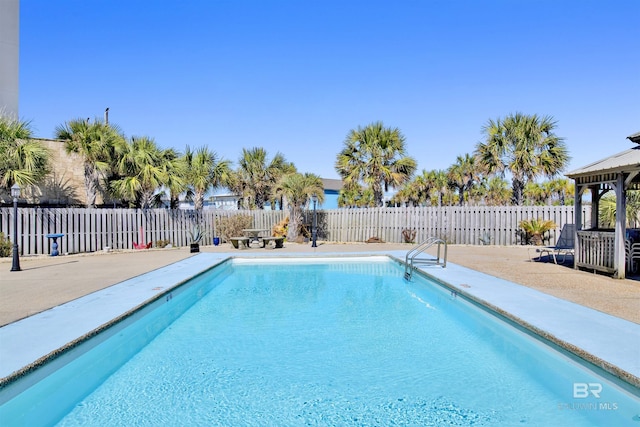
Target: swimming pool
point(329, 342)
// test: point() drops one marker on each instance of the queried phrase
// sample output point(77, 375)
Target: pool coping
point(605, 341)
point(611, 344)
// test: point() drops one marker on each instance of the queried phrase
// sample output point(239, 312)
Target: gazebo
point(604, 249)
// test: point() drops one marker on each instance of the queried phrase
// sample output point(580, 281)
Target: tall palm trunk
point(175, 201)
point(518, 191)
point(295, 219)
point(198, 201)
point(378, 195)
point(259, 201)
point(91, 179)
point(146, 198)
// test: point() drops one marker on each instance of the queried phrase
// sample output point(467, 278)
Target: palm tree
point(535, 194)
point(525, 146)
point(297, 189)
point(607, 210)
point(429, 187)
point(256, 176)
point(376, 156)
point(419, 189)
point(562, 188)
point(463, 175)
point(142, 170)
point(94, 143)
point(410, 194)
point(23, 161)
point(205, 171)
point(441, 186)
point(404, 196)
point(497, 192)
point(176, 173)
point(354, 196)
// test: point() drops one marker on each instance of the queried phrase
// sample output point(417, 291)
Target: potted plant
point(196, 234)
point(535, 229)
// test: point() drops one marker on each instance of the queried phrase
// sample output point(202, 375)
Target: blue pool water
point(345, 342)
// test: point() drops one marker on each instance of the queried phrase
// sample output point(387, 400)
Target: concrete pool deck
point(99, 287)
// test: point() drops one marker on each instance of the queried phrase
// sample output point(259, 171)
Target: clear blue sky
point(296, 76)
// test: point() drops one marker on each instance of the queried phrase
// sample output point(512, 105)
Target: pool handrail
point(410, 260)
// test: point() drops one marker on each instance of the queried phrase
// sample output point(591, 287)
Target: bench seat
point(239, 242)
point(279, 241)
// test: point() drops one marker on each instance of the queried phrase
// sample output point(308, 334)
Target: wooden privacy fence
point(90, 230)
point(471, 225)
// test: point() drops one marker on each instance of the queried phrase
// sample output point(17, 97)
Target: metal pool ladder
point(411, 261)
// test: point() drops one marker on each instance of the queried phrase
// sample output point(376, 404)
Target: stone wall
point(64, 185)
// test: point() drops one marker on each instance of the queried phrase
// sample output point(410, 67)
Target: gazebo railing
point(595, 250)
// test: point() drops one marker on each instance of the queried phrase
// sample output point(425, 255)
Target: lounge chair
point(563, 247)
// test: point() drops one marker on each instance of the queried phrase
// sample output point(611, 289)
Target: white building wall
point(9, 56)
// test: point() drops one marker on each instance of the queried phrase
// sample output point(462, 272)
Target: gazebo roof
point(621, 162)
point(606, 170)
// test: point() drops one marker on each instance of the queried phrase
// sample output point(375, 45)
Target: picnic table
point(254, 234)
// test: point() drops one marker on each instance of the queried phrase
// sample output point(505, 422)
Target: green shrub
point(232, 226)
point(196, 234)
point(5, 246)
point(536, 228)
